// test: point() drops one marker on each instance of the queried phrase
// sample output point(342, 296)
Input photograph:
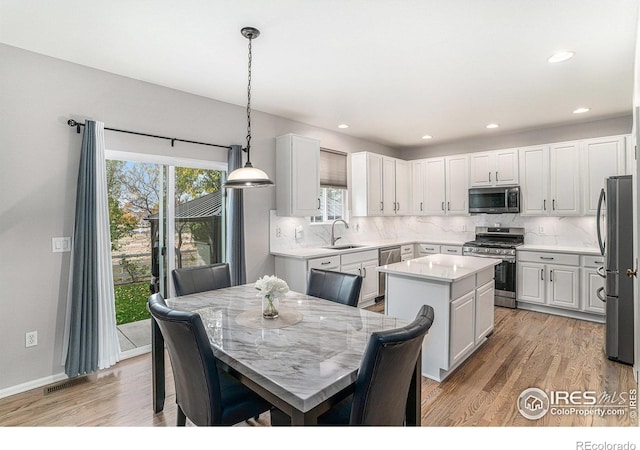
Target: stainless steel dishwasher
point(387, 255)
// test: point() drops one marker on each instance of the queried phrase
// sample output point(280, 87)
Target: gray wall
point(39, 157)
point(604, 127)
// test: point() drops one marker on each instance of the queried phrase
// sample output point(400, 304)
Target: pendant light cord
point(248, 164)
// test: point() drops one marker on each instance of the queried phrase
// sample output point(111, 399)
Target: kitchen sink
point(344, 247)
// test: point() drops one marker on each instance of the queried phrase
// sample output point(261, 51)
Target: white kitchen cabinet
point(457, 184)
point(295, 270)
point(406, 252)
point(495, 168)
point(564, 167)
point(379, 185)
point(484, 311)
point(563, 286)
point(551, 279)
point(591, 282)
point(550, 180)
point(427, 249)
point(364, 264)
point(601, 158)
point(461, 329)
point(297, 175)
point(428, 187)
point(451, 249)
point(402, 179)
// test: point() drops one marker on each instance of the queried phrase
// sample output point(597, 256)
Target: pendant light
point(248, 176)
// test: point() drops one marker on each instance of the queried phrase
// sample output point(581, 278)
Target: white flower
point(270, 285)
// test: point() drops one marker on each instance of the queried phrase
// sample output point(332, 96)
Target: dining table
point(302, 362)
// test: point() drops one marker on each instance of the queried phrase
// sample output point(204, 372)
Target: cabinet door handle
point(318, 203)
point(542, 274)
point(449, 206)
point(452, 251)
point(325, 263)
point(553, 204)
point(360, 271)
point(398, 206)
point(496, 176)
point(547, 258)
point(421, 206)
point(551, 276)
point(381, 206)
point(489, 177)
point(364, 269)
point(443, 206)
point(544, 204)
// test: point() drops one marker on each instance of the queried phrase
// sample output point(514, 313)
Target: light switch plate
point(60, 244)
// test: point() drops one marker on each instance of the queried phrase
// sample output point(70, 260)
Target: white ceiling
point(392, 70)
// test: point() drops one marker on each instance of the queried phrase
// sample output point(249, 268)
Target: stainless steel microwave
point(494, 200)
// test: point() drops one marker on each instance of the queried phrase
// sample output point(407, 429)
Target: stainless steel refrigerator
point(615, 237)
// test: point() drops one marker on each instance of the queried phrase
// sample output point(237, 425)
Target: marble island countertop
point(446, 268)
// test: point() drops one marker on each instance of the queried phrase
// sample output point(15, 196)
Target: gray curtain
point(235, 229)
point(82, 353)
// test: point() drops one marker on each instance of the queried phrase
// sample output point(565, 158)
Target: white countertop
point(591, 251)
point(319, 252)
point(447, 268)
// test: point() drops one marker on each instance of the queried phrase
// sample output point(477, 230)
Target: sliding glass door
point(165, 213)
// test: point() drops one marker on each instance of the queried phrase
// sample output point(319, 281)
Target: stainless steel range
point(501, 243)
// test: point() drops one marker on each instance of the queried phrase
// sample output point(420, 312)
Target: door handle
point(496, 176)
point(381, 206)
point(553, 204)
point(551, 276)
point(364, 269)
point(598, 294)
point(600, 271)
point(443, 206)
point(449, 206)
point(489, 177)
point(318, 203)
point(541, 274)
point(544, 204)
point(632, 273)
point(420, 206)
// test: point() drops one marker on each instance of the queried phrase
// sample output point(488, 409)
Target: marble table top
point(445, 268)
point(304, 363)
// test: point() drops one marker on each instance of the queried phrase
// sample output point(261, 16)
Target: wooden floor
point(527, 349)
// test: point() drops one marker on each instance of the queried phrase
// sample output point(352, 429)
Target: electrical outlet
point(540, 229)
point(278, 232)
point(31, 339)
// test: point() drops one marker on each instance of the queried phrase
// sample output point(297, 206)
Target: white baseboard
point(24, 387)
point(41, 382)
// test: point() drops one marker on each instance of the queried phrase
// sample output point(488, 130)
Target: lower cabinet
point(471, 321)
point(363, 264)
point(559, 282)
point(461, 331)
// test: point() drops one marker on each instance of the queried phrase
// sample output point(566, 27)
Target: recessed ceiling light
point(493, 125)
point(426, 136)
point(581, 110)
point(343, 125)
point(560, 56)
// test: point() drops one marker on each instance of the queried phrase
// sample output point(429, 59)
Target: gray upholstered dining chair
point(191, 280)
point(339, 287)
point(204, 394)
point(384, 378)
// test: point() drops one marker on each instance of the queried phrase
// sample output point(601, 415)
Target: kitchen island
point(461, 291)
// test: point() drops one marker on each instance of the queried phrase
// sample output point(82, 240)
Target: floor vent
point(65, 384)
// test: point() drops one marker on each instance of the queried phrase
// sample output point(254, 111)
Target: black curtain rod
point(73, 123)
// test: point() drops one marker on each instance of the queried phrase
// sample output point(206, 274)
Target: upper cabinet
point(379, 185)
point(428, 187)
point(602, 158)
point(457, 184)
point(297, 175)
point(550, 180)
point(496, 168)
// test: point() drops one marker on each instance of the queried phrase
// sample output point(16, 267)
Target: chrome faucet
point(334, 239)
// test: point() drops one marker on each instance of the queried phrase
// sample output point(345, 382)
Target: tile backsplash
point(287, 233)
